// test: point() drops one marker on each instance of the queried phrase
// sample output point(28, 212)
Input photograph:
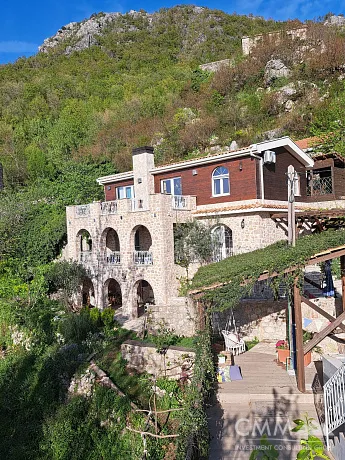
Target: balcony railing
point(322, 186)
point(85, 257)
point(137, 205)
point(82, 210)
point(142, 258)
point(179, 202)
point(108, 207)
point(114, 258)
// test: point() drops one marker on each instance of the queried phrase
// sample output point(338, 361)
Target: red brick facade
point(242, 174)
point(110, 189)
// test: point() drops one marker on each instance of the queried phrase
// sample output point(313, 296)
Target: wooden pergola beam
point(322, 312)
point(297, 303)
point(342, 271)
point(324, 333)
point(317, 258)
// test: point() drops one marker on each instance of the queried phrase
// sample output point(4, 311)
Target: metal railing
point(179, 202)
point(334, 401)
point(85, 257)
point(108, 207)
point(82, 210)
point(114, 258)
point(321, 186)
point(142, 258)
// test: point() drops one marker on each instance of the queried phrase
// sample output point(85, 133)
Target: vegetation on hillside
point(66, 120)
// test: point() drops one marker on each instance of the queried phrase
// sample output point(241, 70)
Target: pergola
point(298, 298)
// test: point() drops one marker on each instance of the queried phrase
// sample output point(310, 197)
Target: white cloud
point(15, 46)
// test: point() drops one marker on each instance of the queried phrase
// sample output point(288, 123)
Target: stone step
point(301, 398)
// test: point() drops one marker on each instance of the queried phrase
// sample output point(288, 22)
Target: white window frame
point(124, 188)
point(172, 188)
point(220, 177)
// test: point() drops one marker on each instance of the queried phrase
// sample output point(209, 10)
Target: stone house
point(127, 241)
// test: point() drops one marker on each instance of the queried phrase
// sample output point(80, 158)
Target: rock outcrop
point(275, 68)
point(84, 34)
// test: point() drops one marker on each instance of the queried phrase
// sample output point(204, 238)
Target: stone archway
point(110, 246)
point(143, 295)
point(113, 294)
point(84, 246)
point(88, 293)
point(141, 237)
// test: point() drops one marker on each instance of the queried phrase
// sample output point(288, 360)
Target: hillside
point(73, 113)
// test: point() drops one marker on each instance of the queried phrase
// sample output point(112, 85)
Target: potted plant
point(283, 351)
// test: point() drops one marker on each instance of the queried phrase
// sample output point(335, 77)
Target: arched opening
point(113, 293)
point(142, 246)
point(111, 244)
point(144, 296)
point(222, 242)
point(88, 293)
point(84, 246)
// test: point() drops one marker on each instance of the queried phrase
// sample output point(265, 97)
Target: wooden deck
point(266, 401)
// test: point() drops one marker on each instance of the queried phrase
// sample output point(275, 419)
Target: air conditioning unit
point(269, 156)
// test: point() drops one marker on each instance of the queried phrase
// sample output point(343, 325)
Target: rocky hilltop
point(84, 34)
point(192, 22)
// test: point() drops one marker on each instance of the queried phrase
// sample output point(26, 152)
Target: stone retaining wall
point(181, 318)
point(144, 357)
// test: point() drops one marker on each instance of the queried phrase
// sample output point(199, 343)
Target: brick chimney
point(143, 162)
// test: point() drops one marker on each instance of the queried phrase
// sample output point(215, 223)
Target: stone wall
point(261, 319)
point(180, 316)
point(144, 358)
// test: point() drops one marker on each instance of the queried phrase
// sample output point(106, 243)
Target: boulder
point(275, 68)
point(335, 20)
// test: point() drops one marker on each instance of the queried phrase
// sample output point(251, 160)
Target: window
point(172, 186)
point(125, 192)
point(220, 181)
point(222, 242)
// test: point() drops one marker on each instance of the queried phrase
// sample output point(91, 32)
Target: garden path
point(265, 401)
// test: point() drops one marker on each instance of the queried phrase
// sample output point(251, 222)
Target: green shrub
point(76, 327)
point(107, 316)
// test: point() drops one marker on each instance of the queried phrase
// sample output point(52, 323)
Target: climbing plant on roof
point(224, 283)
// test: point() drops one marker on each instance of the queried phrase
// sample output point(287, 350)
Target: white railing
point(85, 257)
point(179, 202)
point(137, 205)
point(82, 210)
point(114, 258)
point(142, 258)
point(108, 207)
point(334, 400)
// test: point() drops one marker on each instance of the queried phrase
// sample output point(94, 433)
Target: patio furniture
point(233, 343)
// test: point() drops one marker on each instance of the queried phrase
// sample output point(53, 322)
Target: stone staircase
point(266, 401)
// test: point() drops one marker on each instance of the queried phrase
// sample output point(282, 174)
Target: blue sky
point(25, 24)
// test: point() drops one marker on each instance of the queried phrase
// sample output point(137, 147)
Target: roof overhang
point(290, 146)
point(201, 161)
point(115, 178)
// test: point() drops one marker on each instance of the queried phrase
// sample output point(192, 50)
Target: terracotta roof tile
point(308, 142)
point(219, 153)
